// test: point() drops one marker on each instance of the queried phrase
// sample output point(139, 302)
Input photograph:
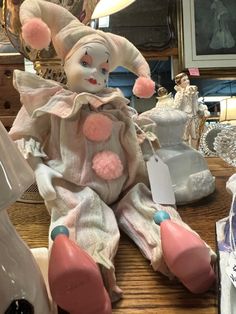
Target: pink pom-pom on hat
point(144, 87)
point(36, 34)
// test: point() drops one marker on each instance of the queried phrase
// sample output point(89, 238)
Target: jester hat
point(43, 22)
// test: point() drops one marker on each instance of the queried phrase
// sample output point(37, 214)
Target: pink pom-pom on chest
point(97, 127)
point(107, 165)
point(36, 34)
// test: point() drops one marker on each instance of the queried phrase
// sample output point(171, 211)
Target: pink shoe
point(74, 278)
point(185, 254)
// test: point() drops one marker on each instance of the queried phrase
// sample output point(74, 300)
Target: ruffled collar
point(164, 97)
point(189, 90)
point(40, 96)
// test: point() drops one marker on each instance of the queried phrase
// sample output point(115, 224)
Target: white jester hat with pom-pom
point(68, 34)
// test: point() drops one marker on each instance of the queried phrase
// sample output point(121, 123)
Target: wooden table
point(144, 290)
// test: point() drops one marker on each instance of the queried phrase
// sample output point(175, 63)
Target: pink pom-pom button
point(97, 127)
point(107, 165)
point(144, 87)
point(36, 34)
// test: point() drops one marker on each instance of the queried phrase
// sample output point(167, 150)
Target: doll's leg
point(92, 224)
point(135, 217)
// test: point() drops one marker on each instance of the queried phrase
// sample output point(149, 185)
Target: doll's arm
point(44, 176)
point(203, 110)
point(192, 88)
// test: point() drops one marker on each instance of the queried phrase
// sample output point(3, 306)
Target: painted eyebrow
point(92, 48)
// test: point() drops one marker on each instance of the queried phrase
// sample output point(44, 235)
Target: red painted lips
point(92, 81)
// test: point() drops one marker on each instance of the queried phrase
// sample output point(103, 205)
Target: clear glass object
point(225, 145)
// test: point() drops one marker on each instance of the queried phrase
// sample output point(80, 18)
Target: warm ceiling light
point(108, 7)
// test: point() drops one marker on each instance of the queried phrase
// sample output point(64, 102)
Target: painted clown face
point(87, 69)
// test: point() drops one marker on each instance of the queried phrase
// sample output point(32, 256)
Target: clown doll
point(81, 142)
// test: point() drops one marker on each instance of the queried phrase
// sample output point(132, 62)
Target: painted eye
point(104, 68)
point(104, 71)
point(86, 61)
point(84, 64)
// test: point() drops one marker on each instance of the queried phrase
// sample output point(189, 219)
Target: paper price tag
point(231, 268)
point(160, 181)
point(194, 71)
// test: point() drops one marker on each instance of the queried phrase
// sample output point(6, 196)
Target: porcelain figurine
point(186, 99)
point(82, 144)
point(164, 99)
point(191, 178)
point(22, 288)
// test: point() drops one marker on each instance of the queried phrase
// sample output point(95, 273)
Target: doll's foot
point(197, 275)
point(185, 254)
point(74, 278)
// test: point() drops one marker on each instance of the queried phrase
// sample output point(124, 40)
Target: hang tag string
point(150, 143)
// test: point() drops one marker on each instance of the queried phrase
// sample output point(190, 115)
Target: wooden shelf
point(161, 55)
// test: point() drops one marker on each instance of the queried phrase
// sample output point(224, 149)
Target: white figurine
point(22, 288)
point(189, 172)
point(164, 99)
point(186, 99)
